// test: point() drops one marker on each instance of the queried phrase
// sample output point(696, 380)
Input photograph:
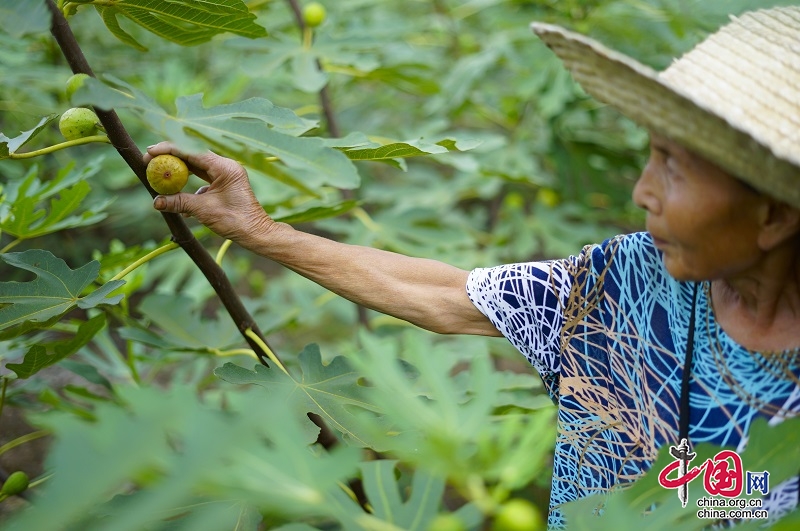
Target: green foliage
point(186, 22)
point(327, 390)
point(21, 18)
point(456, 135)
point(43, 355)
point(22, 215)
point(56, 290)
point(183, 456)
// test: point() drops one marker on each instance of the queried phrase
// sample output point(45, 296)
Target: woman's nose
point(644, 193)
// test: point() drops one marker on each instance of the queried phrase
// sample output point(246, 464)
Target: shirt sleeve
point(526, 302)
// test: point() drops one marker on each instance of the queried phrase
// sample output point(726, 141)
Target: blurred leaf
point(445, 424)
point(20, 17)
point(398, 150)
point(167, 461)
point(331, 391)
point(21, 212)
point(47, 354)
point(181, 326)
point(317, 213)
point(185, 22)
point(412, 510)
point(56, 290)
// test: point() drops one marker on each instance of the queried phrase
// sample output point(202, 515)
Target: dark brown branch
point(128, 150)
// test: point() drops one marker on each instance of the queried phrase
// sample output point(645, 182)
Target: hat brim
point(637, 92)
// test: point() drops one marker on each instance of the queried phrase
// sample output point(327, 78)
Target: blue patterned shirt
point(607, 331)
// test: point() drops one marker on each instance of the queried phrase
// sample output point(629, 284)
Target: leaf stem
point(361, 215)
point(3, 395)
point(23, 439)
point(233, 352)
point(11, 245)
point(130, 361)
point(146, 258)
point(271, 355)
point(222, 250)
point(39, 481)
point(63, 145)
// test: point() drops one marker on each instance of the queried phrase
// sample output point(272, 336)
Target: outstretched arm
point(427, 293)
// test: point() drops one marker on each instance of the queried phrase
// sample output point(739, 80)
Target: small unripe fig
point(446, 522)
point(314, 14)
point(518, 514)
point(78, 122)
point(167, 174)
point(16, 483)
point(74, 83)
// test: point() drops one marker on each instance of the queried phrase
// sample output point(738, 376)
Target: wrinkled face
point(703, 220)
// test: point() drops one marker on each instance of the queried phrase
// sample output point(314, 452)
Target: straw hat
point(734, 99)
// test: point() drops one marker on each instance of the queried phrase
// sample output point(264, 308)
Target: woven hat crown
point(734, 98)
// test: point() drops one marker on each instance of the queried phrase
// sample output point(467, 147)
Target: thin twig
point(332, 124)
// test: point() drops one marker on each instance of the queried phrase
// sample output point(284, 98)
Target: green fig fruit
point(167, 174)
point(314, 14)
point(518, 514)
point(78, 122)
point(16, 483)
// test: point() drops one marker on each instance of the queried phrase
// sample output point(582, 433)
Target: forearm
point(427, 293)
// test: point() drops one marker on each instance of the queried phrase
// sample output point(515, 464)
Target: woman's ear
point(779, 222)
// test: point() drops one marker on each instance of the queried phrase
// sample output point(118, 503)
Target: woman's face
point(703, 220)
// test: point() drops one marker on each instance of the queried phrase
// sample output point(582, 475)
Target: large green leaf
point(47, 354)
point(20, 17)
point(185, 22)
point(56, 289)
point(331, 391)
point(251, 129)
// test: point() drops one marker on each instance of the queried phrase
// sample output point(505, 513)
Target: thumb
point(176, 203)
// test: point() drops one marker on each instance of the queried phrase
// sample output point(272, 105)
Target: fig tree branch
point(181, 234)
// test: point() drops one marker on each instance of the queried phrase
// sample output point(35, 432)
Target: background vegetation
point(436, 128)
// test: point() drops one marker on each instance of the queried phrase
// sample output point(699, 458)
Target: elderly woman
point(687, 331)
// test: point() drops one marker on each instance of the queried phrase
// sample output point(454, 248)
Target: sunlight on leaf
point(185, 22)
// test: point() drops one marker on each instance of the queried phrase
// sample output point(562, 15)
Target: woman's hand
point(227, 205)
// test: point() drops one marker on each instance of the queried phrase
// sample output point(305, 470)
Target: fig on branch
point(78, 122)
point(74, 83)
point(314, 14)
point(16, 483)
point(167, 174)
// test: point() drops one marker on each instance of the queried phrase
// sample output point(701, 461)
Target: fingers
point(176, 203)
